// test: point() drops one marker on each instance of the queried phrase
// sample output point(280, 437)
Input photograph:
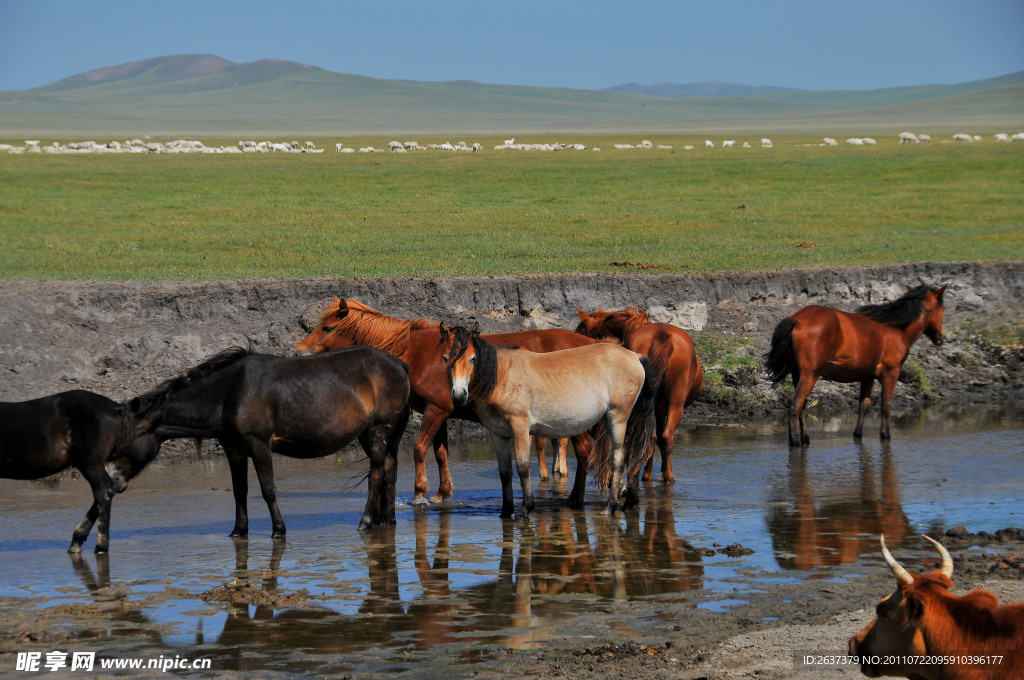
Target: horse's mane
point(148, 407)
point(630, 317)
point(370, 327)
point(485, 375)
point(899, 313)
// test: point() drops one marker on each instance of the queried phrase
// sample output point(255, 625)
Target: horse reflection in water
point(807, 535)
point(566, 553)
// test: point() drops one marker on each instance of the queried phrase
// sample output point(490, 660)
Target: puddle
point(456, 581)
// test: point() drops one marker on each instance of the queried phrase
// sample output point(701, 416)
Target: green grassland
point(123, 217)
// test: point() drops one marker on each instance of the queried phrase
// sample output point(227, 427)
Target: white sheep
point(766, 143)
point(829, 141)
point(855, 141)
point(510, 142)
point(708, 144)
point(728, 143)
point(925, 138)
point(870, 140)
point(909, 138)
point(962, 137)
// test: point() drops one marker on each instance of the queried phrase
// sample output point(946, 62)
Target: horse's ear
point(445, 334)
point(583, 315)
point(941, 291)
point(600, 309)
point(909, 287)
point(343, 307)
point(475, 330)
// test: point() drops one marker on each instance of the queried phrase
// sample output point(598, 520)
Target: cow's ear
point(915, 607)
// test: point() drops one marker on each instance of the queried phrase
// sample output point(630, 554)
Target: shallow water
point(457, 581)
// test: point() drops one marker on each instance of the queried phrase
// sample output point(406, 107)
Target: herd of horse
point(616, 387)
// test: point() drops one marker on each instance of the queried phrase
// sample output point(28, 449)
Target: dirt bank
point(122, 338)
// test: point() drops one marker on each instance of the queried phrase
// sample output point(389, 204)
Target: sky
point(588, 44)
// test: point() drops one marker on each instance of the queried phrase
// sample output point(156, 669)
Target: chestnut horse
point(516, 393)
point(867, 345)
point(671, 352)
point(79, 429)
point(302, 407)
point(418, 343)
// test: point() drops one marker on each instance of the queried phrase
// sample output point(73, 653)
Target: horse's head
point(324, 336)
point(933, 311)
point(460, 359)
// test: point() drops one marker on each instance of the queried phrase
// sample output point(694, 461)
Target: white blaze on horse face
point(462, 373)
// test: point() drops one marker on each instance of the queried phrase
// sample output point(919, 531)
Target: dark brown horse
point(867, 345)
point(419, 344)
point(672, 354)
point(76, 429)
point(302, 407)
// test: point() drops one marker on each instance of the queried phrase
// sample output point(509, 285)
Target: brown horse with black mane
point(867, 345)
point(672, 354)
point(419, 344)
point(302, 407)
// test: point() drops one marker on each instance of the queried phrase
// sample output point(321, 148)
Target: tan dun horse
point(418, 343)
point(516, 393)
point(867, 345)
point(671, 352)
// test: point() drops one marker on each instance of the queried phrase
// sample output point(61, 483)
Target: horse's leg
point(433, 420)
point(617, 433)
point(582, 445)
point(667, 426)
point(888, 388)
point(864, 405)
point(264, 464)
point(542, 460)
point(238, 463)
point(82, 530)
point(102, 494)
point(444, 478)
point(798, 410)
point(521, 441)
point(561, 467)
point(503, 450)
point(374, 443)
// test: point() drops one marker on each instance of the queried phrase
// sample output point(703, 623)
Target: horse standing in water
point(517, 393)
point(77, 429)
point(302, 407)
point(867, 345)
point(419, 344)
point(671, 352)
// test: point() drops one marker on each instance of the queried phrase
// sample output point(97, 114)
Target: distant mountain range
point(211, 96)
point(712, 89)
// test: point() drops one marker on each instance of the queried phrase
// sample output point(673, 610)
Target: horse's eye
point(327, 329)
point(445, 357)
point(472, 360)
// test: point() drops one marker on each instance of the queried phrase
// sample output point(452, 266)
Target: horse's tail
point(777, 361)
point(638, 443)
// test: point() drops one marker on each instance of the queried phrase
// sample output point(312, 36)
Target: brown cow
point(924, 632)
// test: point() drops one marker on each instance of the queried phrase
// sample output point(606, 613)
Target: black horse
point(302, 407)
point(77, 429)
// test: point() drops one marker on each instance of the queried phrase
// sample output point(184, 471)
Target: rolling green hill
point(204, 95)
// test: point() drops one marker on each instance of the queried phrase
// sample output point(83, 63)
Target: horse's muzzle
point(460, 397)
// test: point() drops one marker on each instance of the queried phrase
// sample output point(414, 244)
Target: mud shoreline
point(120, 339)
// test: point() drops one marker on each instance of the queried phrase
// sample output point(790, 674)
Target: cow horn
point(947, 560)
point(899, 572)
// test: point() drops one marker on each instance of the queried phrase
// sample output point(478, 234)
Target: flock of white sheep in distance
point(244, 146)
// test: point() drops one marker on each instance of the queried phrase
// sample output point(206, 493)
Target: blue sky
point(810, 44)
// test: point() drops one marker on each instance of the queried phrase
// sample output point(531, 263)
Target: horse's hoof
point(75, 549)
point(420, 499)
point(278, 535)
point(440, 498)
point(100, 550)
point(364, 524)
point(238, 533)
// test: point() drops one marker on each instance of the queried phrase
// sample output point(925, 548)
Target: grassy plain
point(431, 213)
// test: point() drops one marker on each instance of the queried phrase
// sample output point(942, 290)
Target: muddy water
point(456, 582)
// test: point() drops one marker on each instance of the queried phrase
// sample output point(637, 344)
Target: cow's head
point(898, 630)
